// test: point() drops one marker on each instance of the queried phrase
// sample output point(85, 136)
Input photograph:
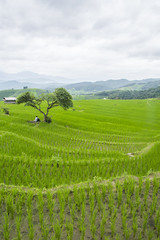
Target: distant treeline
point(17, 92)
point(130, 94)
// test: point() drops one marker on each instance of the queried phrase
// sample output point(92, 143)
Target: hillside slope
point(17, 92)
point(121, 84)
point(130, 94)
point(93, 173)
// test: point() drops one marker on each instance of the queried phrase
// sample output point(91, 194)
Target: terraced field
point(93, 173)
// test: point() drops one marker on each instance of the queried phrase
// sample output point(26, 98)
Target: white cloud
point(87, 39)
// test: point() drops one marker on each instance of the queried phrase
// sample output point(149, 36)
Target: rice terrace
point(93, 173)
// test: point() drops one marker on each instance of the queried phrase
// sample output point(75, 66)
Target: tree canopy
point(131, 94)
point(60, 97)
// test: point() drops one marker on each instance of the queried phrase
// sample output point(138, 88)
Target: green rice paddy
point(93, 173)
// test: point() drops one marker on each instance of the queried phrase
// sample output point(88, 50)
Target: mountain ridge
point(32, 77)
point(35, 80)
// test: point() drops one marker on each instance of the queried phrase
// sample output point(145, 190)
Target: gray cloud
point(83, 39)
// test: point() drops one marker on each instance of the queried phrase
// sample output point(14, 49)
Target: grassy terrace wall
point(93, 173)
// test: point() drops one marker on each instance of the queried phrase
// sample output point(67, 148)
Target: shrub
point(6, 111)
point(48, 119)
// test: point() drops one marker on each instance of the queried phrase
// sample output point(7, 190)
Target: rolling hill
point(17, 92)
point(121, 84)
point(93, 173)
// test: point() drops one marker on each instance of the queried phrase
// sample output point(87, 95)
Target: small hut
point(9, 100)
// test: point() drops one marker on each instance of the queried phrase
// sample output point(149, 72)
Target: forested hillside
point(16, 92)
point(110, 85)
point(121, 94)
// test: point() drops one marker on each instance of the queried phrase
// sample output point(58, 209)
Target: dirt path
point(71, 187)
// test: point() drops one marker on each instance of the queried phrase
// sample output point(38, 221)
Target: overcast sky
point(81, 39)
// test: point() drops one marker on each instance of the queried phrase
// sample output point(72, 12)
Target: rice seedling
point(51, 204)
point(82, 227)
point(93, 227)
point(40, 210)
point(113, 221)
point(135, 226)
point(91, 201)
point(103, 223)
point(57, 230)
point(62, 207)
point(69, 229)
point(145, 221)
point(30, 224)
point(10, 208)
point(119, 193)
point(6, 232)
point(18, 228)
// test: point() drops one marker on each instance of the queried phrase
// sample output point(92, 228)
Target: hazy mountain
point(97, 86)
point(122, 84)
point(147, 80)
point(33, 78)
point(142, 85)
point(20, 85)
point(14, 84)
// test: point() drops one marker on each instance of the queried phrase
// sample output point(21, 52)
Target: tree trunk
point(44, 114)
point(45, 117)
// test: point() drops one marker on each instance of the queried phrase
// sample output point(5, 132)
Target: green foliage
point(6, 110)
point(60, 97)
point(130, 94)
point(48, 119)
point(64, 99)
point(17, 92)
point(26, 98)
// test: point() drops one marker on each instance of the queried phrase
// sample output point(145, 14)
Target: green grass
point(79, 167)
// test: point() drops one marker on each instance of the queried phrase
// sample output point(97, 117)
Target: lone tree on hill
point(60, 97)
